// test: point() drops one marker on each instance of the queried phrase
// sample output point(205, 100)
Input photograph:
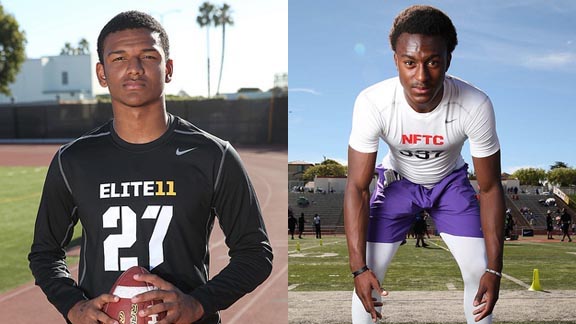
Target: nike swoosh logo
point(178, 152)
point(449, 121)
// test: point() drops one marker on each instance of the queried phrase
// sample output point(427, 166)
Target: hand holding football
point(124, 311)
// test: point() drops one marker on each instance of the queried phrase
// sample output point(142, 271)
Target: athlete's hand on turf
point(364, 284)
point(486, 296)
point(180, 308)
point(90, 311)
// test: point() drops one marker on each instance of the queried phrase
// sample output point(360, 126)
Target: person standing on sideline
point(317, 226)
point(291, 223)
point(147, 187)
point(509, 224)
point(420, 229)
point(565, 221)
point(301, 222)
point(549, 225)
point(425, 116)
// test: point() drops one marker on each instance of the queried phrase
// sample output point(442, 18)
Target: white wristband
point(494, 272)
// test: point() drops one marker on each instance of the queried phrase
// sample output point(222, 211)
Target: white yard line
point(311, 247)
point(509, 277)
point(440, 246)
point(516, 281)
point(291, 287)
point(450, 286)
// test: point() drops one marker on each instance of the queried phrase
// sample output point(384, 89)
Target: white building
point(56, 78)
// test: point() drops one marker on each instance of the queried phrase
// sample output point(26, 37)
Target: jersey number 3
point(114, 242)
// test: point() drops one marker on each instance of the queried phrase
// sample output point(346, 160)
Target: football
point(125, 287)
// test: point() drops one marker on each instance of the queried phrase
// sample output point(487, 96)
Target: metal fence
point(242, 121)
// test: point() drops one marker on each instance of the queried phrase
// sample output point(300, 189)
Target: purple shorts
point(451, 203)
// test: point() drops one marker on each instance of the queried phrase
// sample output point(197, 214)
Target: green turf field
point(20, 192)
point(325, 268)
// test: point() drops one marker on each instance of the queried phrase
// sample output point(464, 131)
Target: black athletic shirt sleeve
point(236, 206)
point(53, 231)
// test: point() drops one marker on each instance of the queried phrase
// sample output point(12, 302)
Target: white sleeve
point(366, 126)
point(481, 131)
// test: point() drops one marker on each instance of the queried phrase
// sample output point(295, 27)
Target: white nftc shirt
point(424, 147)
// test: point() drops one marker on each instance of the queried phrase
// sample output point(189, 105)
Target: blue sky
point(256, 46)
point(522, 53)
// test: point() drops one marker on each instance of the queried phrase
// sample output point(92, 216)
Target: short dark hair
point(132, 20)
point(425, 20)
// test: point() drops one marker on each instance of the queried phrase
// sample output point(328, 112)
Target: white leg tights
point(469, 252)
point(378, 257)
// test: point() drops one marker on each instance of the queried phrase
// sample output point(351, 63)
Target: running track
point(267, 167)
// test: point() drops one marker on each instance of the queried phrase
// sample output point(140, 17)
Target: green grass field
point(325, 268)
point(20, 192)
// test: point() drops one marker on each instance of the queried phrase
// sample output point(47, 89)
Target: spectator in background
point(291, 223)
point(549, 224)
point(565, 220)
point(317, 226)
point(301, 222)
point(420, 228)
point(508, 224)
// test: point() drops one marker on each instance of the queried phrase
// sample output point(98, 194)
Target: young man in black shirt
point(146, 187)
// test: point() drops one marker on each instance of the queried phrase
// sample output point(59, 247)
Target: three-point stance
point(424, 115)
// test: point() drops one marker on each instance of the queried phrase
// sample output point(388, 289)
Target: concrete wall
point(338, 185)
point(327, 183)
point(239, 121)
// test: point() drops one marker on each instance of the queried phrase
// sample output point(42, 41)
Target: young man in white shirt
point(424, 115)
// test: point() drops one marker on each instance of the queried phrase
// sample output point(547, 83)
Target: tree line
point(560, 174)
point(83, 48)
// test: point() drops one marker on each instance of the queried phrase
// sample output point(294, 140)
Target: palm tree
point(67, 49)
point(222, 17)
point(83, 47)
point(204, 20)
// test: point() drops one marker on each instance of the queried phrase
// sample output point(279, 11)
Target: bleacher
point(328, 205)
point(532, 202)
point(519, 219)
point(330, 208)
